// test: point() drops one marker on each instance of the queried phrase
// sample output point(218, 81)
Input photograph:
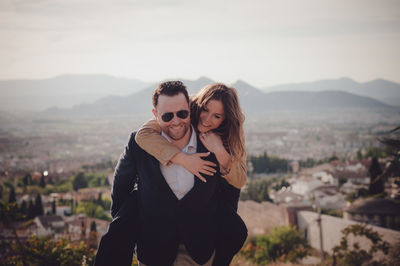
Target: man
point(176, 224)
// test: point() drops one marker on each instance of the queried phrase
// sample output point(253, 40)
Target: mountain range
point(63, 91)
point(385, 91)
point(86, 95)
point(253, 100)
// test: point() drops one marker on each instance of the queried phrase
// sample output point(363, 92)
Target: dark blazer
point(164, 221)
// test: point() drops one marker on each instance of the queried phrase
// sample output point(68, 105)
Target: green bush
point(256, 190)
point(331, 212)
point(348, 255)
point(45, 251)
point(268, 164)
point(97, 180)
point(282, 244)
point(79, 181)
point(92, 209)
point(61, 188)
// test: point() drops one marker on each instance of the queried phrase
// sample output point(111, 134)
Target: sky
point(263, 42)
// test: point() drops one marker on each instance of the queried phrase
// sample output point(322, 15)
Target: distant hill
point(63, 91)
point(136, 103)
point(306, 100)
point(94, 95)
point(253, 101)
point(379, 89)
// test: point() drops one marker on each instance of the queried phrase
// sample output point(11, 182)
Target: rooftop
point(375, 206)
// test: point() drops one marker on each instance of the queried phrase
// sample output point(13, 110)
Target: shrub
point(92, 209)
point(354, 255)
point(44, 251)
point(283, 244)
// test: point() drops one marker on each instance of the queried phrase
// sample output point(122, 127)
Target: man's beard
point(172, 134)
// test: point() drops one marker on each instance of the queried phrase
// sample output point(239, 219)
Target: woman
point(217, 117)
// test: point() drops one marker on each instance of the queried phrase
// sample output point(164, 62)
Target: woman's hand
point(212, 142)
point(194, 164)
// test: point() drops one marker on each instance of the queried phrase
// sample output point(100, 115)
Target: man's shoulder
point(132, 137)
point(133, 145)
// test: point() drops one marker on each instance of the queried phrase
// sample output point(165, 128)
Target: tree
point(333, 158)
point(260, 163)
point(50, 180)
point(377, 152)
point(93, 226)
point(393, 149)
point(346, 255)
point(280, 185)
point(8, 214)
point(53, 207)
point(310, 162)
point(257, 191)
point(72, 206)
point(38, 205)
point(100, 200)
point(12, 197)
point(283, 244)
point(31, 210)
point(93, 235)
point(79, 181)
point(394, 254)
point(91, 209)
point(42, 183)
point(359, 155)
point(45, 251)
point(24, 209)
point(27, 180)
point(268, 164)
point(83, 230)
point(376, 186)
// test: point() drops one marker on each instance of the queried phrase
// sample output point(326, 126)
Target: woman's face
point(211, 117)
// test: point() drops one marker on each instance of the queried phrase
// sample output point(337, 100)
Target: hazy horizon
point(194, 79)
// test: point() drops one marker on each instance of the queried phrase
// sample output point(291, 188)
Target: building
point(375, 211)
point(49, 225)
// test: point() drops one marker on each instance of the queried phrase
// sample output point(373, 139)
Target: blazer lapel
point(159, 178)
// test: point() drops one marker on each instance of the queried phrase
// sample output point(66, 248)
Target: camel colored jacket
point(148, 138)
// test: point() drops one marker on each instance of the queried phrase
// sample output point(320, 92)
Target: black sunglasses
point(182, 114)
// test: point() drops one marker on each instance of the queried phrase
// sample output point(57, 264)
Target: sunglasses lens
point(183, 114)
point(167, 117)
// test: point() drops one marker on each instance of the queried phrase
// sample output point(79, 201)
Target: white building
point(304, 186)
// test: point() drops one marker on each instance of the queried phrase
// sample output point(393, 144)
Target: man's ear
point(154, 113)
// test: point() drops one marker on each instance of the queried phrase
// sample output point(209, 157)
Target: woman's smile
point(211, 116)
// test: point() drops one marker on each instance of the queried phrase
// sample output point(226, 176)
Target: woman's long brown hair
point(231, 129)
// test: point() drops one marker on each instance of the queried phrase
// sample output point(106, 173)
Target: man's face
point(177, 127)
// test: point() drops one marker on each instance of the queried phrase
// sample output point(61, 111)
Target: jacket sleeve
point(237, 176)
point(149, 139)
point(125, 177)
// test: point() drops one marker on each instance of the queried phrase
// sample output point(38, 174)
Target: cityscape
point(301, 166)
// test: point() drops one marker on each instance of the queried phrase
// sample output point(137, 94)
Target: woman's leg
point(118, 243)
point(232, 231)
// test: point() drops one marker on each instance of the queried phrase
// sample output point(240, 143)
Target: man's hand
point(194, 164)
